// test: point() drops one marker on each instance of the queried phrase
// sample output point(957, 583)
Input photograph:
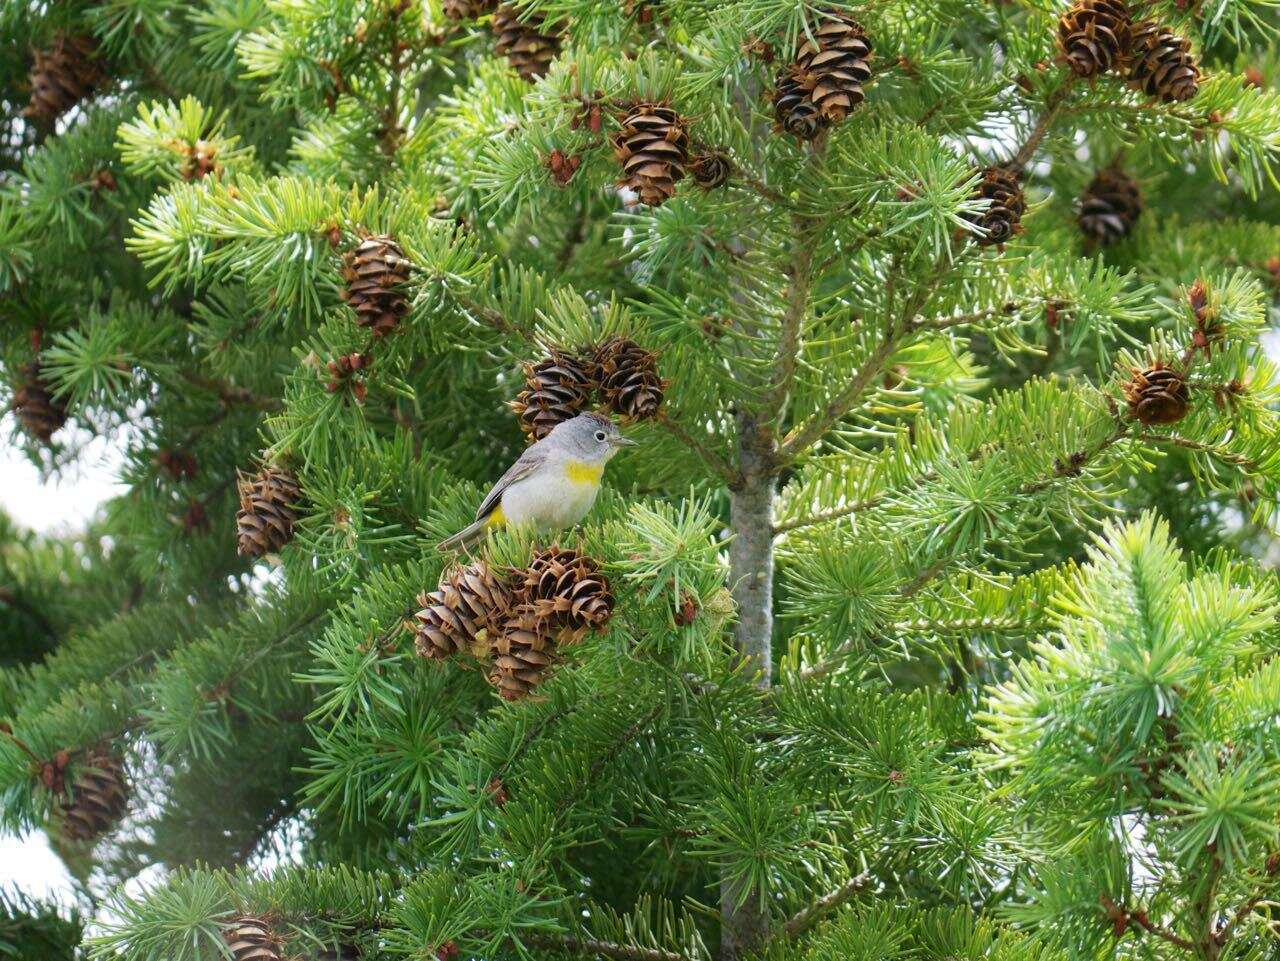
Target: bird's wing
point(525, 464)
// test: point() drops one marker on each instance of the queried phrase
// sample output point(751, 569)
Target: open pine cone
point(376, 272)
point(793, 110)
point(39, 412)
point(523, 656)
point(62, 76)
point(1157, 395)
point(98, 797)
point(1160, 63)
point(268, 509)
point(526, 43)
point(564, 589)
point(250, 939)
point(711, 169)
point(1109, 207)
point(556, 389)
point(469, 606)
point(1003, 218)
point(1093, 35)
point(627, 377)
point(834, 65)
point(653, 148)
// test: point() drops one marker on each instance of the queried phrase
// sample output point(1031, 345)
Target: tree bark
point(743, 922)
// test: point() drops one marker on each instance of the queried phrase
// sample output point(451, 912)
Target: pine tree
point(930, 617)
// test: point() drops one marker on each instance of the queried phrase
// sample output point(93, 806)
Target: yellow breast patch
point(580, 472)
point(496, 517)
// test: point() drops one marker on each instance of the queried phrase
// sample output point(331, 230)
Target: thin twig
point(608, 949)
point(802, 920)
point(714, 461)
point(1038, 132)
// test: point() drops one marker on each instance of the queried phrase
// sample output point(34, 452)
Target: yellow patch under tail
point(496, 518)
point(581, 472)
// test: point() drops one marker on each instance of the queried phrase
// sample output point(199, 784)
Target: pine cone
point(526, 44)
point(468, 9)
point(1110, 207)
point(98, 797)
point(250, 939)
point(375, 272)
point(564, 589)
point(793, 110)
point(834, 66)
point(1003, 218)
point(38, 410)
point(627, 376)
point(469, 601)
point(523, 656)
point(1160, 63)
point(711, 169)
point(1093, 35)
point(268, 508)
point(556, 389)
point(62, 76)
point(1157, 395)
point(653, 148)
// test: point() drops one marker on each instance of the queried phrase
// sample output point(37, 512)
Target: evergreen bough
point(935, 624)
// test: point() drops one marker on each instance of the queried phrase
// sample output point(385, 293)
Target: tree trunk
point(744, 925)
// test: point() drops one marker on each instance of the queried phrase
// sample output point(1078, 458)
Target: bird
point(552, 485)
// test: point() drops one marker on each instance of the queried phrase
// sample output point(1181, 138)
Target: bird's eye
point(600, 435)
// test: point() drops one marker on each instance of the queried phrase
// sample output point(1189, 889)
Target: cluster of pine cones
point(268, 510)
point(1096, 36)
point(824, 82)
point(516, 621)
point(376, 271)
point(562, 385)
point(652, 144)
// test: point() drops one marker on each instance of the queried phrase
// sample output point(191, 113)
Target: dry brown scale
point(525, 41)
point(375, 272)
point(653, 148)
point(711, 169)
point(62, 76)
point(39, 412)
point(1003, 217)
point(468, 9)
point(1110, 206)
point(97, 798)
point(251, 939)
point(467, 609)
point(268, 510)
point(1160, 63)
point(833, 66)
point(1157, 396)
point(1093, 36)
point(556, 389)
point(627, 377)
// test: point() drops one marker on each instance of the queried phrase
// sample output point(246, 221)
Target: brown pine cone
point(627, 377)
point(1093, 35)
point(711, 169)
point(97, 797)
point(834, 65)
point(653, 148)
point(1157, 395)
point(468, 9)
point(268, 509)
point(376, 272)
point(251, 939)
point(1109, 207)
point(793, 110)
point(523, 656)
point(39, 412)
point(556, 389)
point(564, 589)
point(1003, 218)
point(62, 76)
point(1160, 63)
point(527, 43)
point(470, 605)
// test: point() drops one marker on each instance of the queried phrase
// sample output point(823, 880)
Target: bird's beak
point(620, 441)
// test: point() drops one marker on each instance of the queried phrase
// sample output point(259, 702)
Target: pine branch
point(1029, 146)
point(802, 920)
point(608, 949)
point(717, 464)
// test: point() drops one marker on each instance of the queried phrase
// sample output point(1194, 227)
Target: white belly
point(547, 503)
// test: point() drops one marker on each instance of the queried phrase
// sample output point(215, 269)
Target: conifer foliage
point(929, 616)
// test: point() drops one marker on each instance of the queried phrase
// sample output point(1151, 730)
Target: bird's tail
point(466, 538)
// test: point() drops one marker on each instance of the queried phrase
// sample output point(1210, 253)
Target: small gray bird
point(552, 485)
